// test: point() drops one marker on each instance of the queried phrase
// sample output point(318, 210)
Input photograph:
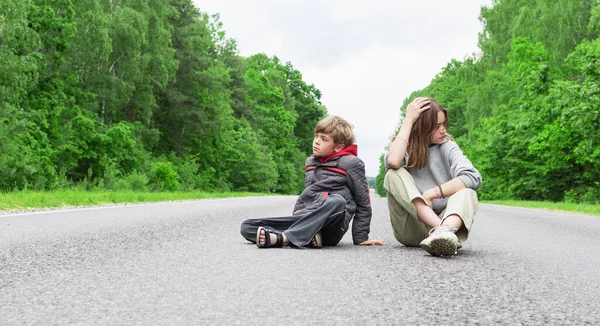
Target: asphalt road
point(185, 263)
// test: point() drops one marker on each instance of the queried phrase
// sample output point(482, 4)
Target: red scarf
point(350, 150)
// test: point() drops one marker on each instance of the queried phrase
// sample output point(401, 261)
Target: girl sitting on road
point(430, 182)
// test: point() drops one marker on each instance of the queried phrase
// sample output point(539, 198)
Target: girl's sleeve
point(462, 167)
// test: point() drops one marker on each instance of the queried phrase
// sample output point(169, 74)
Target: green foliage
point(276, 102)
point(92, 92)
point(19, 68)
point(24, 162)
point(137, 181)
point(379, 180)
point(163, 177)
point(559, 25)
point(527, 110)
point(252, 165)
point(188, 174)
point(124, 147)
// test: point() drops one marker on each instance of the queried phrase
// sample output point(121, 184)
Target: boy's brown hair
point(338, 128)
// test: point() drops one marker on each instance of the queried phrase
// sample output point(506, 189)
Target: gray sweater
point(446, 162)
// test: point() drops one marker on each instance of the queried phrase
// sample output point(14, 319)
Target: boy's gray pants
point(329, 218)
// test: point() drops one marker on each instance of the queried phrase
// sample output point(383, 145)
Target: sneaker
point(441, 241)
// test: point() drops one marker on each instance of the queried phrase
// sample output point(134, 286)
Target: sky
point(366, 57)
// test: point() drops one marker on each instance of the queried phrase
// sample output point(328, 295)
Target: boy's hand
point(371, 243)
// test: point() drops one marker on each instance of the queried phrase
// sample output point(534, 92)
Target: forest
point(153, 96)
point(526, 109)
point(145, 95)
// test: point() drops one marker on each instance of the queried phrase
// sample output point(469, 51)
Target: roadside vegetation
point(589, 209)
point(62, 198)
point(136, 101)
point(526, 109)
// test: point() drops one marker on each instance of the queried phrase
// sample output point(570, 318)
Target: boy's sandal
point(316, 241)
point(268, 244)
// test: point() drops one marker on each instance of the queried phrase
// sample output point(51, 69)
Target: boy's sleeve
point(306, 180)
point(361, 225)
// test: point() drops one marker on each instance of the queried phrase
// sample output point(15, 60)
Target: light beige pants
point(408, 229)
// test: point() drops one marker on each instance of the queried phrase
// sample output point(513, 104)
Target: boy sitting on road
point(336, 192)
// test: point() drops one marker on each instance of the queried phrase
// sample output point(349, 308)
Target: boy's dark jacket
point(341, 173)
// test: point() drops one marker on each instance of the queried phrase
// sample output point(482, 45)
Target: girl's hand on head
point(416, 107)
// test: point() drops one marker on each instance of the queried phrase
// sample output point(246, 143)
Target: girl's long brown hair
point(424, 127)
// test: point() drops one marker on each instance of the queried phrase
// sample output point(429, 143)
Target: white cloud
point(365, 57)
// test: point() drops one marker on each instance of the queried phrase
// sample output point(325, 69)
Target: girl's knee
point(466, 196)
point(467, 192)
point(397, 179)
point(399, 173)
point(392, 176)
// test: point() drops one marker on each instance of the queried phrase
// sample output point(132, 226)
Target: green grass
point(29, 200)
point(26, 200)
point(562, 207)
